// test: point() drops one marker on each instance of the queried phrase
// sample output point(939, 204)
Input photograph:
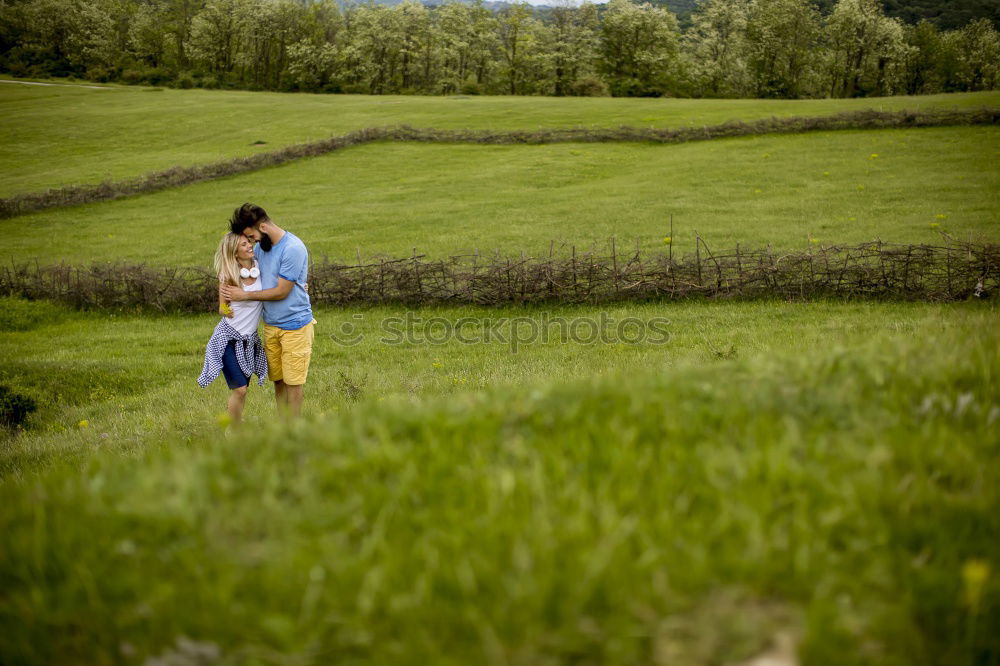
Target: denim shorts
point(231, 367)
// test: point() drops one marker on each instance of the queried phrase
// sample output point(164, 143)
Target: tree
point(575, 44)
point(923, 73)
point(42, 32)
point(178, 16)
point(147, 37)
point(267, 29)
point(520, 38)
point(417, 42)
point(468, 39)
point(716, 49)
point(781, 40)
point(90, 45)
point(372, 53)
point(867, 51)
point(161, 32)
point(979, 56)
point(639, 49)
point(215, 36)
point(315, 62)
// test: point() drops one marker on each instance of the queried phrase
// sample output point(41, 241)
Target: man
point(288, 320)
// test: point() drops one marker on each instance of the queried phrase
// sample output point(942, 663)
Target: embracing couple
point(262, 269)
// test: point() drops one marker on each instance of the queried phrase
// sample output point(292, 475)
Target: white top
point(246, 314)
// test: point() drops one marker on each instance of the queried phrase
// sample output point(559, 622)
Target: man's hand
point(231, 293)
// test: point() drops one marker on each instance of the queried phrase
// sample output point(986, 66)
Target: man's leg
point(293, 399)
point(281, 395)
point(272, 348)
point(296, 352)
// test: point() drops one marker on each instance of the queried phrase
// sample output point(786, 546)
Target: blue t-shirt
point(290, 260)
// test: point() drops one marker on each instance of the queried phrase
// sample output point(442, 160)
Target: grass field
point(824, 471)
point(836, 187)
point(89, 370)
point(816, 479)
point(61, 135)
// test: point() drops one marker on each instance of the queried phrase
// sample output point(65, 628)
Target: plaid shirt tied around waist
point(249, 354)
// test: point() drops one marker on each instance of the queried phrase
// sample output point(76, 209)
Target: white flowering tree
point(866, 52)
point(715, 49)
point(640, 52)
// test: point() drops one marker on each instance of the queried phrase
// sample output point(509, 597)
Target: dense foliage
point(730, 48)
point(947, 14)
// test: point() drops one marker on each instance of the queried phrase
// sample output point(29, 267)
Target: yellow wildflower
point(974, 576)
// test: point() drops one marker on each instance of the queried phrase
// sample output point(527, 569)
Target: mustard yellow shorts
point(288, 353)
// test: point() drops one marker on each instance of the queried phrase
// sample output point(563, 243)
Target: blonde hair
point(226, 265)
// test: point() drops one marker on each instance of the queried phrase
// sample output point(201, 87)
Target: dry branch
point(875, 270)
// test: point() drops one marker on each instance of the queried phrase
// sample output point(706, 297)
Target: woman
point(235, 349)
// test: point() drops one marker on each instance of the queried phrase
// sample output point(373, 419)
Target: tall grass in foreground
point(843, 495)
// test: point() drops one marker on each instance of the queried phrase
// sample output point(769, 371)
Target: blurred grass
point(837, 187)
point(160, 399)
point(55, 136)
point(583, 504)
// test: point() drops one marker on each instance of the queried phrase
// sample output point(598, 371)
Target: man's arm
point(278, 293)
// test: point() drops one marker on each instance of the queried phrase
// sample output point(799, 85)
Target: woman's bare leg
point(236, 400)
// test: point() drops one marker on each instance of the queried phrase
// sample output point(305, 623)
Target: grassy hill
point(838, 187)
point(56, 136)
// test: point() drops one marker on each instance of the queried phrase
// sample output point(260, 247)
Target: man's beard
point(265, 243)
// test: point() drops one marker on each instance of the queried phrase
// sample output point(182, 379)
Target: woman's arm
point(224, 308)
point(278, 293)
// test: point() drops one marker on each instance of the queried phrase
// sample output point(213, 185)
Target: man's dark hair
point(245, 216)
point(249, 215)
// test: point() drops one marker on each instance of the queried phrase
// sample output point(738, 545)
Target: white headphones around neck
point(250, 272)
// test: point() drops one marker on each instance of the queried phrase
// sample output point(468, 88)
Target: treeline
point(731, 48)
point(946, 14)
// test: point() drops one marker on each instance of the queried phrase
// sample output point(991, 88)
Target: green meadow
point(835, 187)
point(822, 475)
point(55, 136)
point(673, 483)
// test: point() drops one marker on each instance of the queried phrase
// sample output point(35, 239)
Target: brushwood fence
point(178, 176)
point(951, 271)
